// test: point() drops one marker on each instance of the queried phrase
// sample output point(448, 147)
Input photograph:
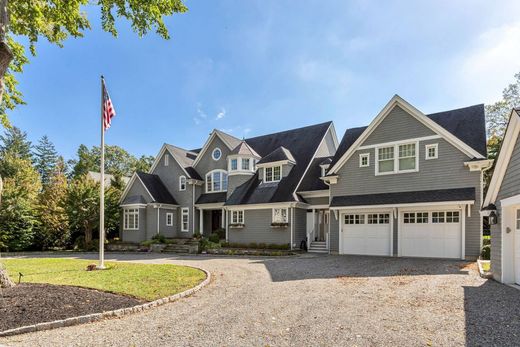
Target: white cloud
point(221, 114)
point(491, 63)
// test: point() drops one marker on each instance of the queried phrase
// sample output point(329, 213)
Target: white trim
point(135, 212)
point(292, 228)
point(502, 162)
point(391, 143)
point(480, 165)
point(214, 133)
point(315, 193)
point(427, 151)
point(361, 157)
point(213, 154)
point(463, 233)
point(164, 206)
point(210, 206)
point(169, 214)
point(238, 219)
point(133, 205)
point(222, 190)
point(441, 203)
point(187, 210)
point(161, 152)
point(513, 200)
point(180, 183)
point(396, 159)
point(398, 101)
point(314, 156)
point(318, 207)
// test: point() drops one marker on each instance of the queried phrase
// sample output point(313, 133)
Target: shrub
point(262, 245)
point(205, 244)
point(252, 245)
point(214, 237)
point(486, 252)
point(221, 233)
point(159, 238)
point(147, 243)
point(197, 234)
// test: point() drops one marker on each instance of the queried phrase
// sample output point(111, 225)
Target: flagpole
point(102, 189)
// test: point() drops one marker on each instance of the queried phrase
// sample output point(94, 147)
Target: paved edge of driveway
point(94, 317)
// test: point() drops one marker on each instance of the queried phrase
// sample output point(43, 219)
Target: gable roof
point(302, 144)
point(230, 141)
point(244, 149)
point(465, 128)
point(156, 188)
point(505, 152)
point(279, 154)
point(312, 180)
point(183, 157)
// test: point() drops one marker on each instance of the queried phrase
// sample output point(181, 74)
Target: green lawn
point(143, 281)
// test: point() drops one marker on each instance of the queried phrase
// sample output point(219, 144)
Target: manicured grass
point(143, 281)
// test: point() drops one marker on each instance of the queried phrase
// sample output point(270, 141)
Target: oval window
point(217, 154)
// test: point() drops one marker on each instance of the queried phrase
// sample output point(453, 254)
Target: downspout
point(158, 208)
point(292, 227)
point(193, 208)
point(482, 202)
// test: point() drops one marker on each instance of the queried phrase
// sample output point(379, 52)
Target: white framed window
point(233, 164)
point(131, 219)
point(185, 218)
point(245, 164)
point(438, 217)
point(280, 215)
point(364, 160)
point(169, 219)
point(452, 217)
point(399, 158)
point(216, 181)
point(237, 217)
point(166, 159)
point(432, 151)
point(216, 154)
point(273, 174)
point(354, 219)
point(182, 183)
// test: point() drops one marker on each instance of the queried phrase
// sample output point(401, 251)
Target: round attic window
point(216, 154)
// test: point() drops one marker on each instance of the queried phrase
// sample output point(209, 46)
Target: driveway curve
point(313, 300)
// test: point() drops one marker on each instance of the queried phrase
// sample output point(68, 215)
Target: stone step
point(318, 250)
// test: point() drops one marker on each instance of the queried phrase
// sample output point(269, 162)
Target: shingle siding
point(257, 229)
point(448, 171)
point(397, 125)
point(135, 235)
point(300, 226)
point(334, 233)
point(496, 248)
point(511, 182)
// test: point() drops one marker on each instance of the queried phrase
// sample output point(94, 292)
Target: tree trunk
point(88, 234)
point(5, 59)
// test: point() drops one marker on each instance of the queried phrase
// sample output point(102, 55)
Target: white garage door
point(367, 234)
point(432, 234)
point(517, 247)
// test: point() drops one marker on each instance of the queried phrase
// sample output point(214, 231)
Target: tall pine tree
point(15, 141)
point(45, 159)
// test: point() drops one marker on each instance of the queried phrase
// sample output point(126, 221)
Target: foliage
point(17, 214)
point(256, 246)
point(497, 114)
point(112, 210)
point(56, 21)
point(486, 252)
point(15, 141)
point(214, 237)
point(82, 206)
point(46, 159)
point(144, 281)
point(118, 161)
point(159, 238)
point(53, 230)
point(205, 244)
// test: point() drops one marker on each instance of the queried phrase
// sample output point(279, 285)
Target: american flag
point(108, 108)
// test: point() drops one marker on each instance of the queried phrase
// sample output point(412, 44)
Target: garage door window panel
point(409, 218)
point(372, 219)
point(422, 217)
point(384, 218)
point(452, 217)
point(438, 217)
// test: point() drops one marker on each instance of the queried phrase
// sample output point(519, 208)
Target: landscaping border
point(95, 317)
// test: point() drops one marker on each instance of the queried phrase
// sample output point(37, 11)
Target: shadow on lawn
point(492, 315)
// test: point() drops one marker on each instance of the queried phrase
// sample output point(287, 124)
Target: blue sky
point(254, 67)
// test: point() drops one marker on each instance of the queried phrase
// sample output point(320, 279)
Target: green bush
point(221, 233)
point(159, 238)
point(214, 237)
point(262, 246)
point(147, 243)
point(205, 244)
point(486, 252)
point(197, 234)
point(81, 245)
point(253, 245)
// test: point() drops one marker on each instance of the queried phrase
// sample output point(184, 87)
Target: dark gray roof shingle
point(134, 199)
point(302, 143)
point(157, 188)
point(279, 154)
point(185, 159)
point(312, 181)
point(211, 198)
point(468, 124)
point(442, 195)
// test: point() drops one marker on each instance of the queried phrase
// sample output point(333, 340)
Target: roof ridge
point(289, 130)
point(455, 109)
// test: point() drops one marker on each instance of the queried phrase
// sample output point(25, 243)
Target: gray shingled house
point(409, 184)
point(502, 204)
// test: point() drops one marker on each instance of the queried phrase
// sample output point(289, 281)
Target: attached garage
point(431, 233)
point(366, 233)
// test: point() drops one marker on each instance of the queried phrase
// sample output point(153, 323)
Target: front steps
point(318, 247)
point(183, 246)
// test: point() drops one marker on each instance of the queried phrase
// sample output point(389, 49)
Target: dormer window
point(182, 183)
point(234, 165)
point(216, 181)
point(272, 174)
point(241, 164)
point(245, 164)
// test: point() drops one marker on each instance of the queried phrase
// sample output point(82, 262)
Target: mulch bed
point(28, 304)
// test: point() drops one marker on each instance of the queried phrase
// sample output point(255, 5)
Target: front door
point(216, 219)
point(517, 246)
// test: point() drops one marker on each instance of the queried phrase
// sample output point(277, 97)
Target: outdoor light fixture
point(493, 218)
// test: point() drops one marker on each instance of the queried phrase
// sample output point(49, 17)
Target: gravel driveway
point(314, 300)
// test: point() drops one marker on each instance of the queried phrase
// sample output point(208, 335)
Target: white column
point(313, 231)
point(222, 219)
